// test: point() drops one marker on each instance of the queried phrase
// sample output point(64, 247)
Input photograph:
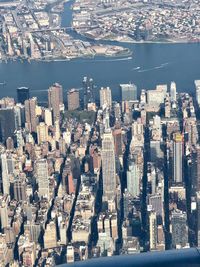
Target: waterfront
point(151, 64)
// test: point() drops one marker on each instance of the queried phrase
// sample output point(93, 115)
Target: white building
point(42, 178)
point(105, 97)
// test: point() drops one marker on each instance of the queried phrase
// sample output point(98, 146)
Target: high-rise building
point(57, 131)
point(153, 179)
point(156, 131)
point(179, 228)
point(9, 143)
point(167, 106)
point(156, 203)
point(198, 219)
point(108, 166)
point(105, 98)
point(63, 233)
point(117, 134)
point(117, 112)
point(133, 179)
point(5, 174)
point(197, 87)
point(42, 132)
point(88, 87)
point(143, 97)
point(4, 251)
point(190, 128)
point(30, 114)
point(106, 120)
point(18, 116)
point(173, 92)
point(7, 123)
point(50, 236)
point(156, 152)
point(178, 158)
point(128, 92)
point(33, 229)
point(137, 133)
point(22, 94)
point(28, 255)
point(70, 254)
point(73, 99)
point(48, 117)
point(55, 100)
point(42, 178)
point(195, 170)
point(153, 230)
point(157, 97)
point(4, 212)
point(19, 189)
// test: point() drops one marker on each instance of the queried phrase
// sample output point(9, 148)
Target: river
point(150, 65)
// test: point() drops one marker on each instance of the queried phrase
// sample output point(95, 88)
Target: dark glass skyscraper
point(7, 123)
point(22, 94)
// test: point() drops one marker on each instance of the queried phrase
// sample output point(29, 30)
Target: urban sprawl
point(83, 178)
point(32, 30)
point(138, 20)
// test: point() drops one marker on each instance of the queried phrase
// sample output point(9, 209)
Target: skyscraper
point(7, 123)
point(50, 236)
point(42, 178)
point(153, 230)
point(179, 228)
point(108, 166)
point(48, 117)
point(4, 212)
point(5, 174)
point(195, 170)
point(178, 158)
point(105, 97)
point(173, 92)
point(156, 203)
point(128, 92)
point(22, 94)
point(117, 134)
point(19, 189)
point(88, 87)
point(197, 87)
point(42, 132)
point(30, 114)
point(133, 179)
point(55, 100)
point(73, 99)
point(18, 116)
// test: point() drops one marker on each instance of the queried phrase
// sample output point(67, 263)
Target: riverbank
point(126, 40)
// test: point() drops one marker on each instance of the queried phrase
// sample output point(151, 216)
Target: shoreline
point(106, 56)
point(164, 41)
point(131, 41)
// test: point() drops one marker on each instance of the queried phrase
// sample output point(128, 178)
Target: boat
point(3, 83)
point(136, 68)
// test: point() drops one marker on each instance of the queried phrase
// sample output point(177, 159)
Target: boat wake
point(155, 68)
point(110, 60)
